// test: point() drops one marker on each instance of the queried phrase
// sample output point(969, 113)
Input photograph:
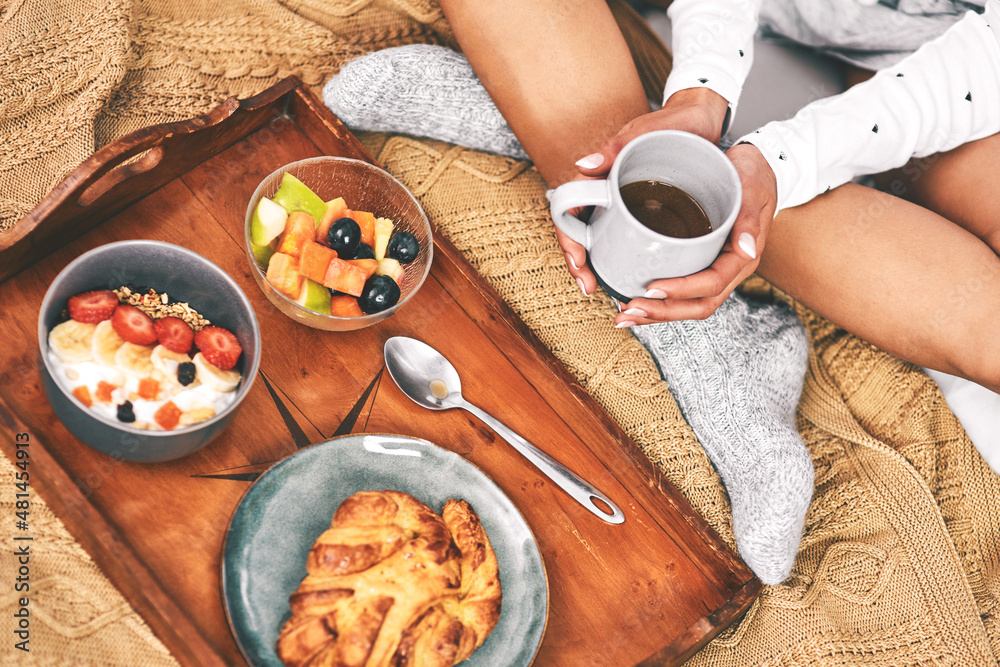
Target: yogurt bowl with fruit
point(337, 243)
point(147, 349)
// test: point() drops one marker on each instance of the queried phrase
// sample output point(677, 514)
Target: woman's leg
point(959, 185)
point(896, 274)
point(560, 73)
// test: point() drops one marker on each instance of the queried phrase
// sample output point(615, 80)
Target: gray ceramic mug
point(624, 254)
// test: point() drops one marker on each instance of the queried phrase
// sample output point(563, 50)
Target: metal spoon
point(432, 382)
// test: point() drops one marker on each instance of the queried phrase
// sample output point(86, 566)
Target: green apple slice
point(262, 253)
point(314, 296)
point(268, 222)
point(294, 195)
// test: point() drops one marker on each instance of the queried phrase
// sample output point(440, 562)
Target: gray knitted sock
point(421, 90)
point(737, 377)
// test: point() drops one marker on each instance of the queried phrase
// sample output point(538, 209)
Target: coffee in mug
point(626, 251)
point(666, 209)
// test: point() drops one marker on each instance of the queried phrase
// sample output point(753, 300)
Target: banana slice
point(167, 361)
point(71, 341)
point(214, 377)
point(197, 416)
point(135, 359)
point(106, 342)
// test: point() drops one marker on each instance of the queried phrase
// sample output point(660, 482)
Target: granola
point(158, 305)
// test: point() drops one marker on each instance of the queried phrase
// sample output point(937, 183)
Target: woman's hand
point(699, 111)
point(695, 297)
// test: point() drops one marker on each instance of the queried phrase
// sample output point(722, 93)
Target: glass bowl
point(364, 187)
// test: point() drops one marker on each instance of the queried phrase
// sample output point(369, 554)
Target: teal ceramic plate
point(287, 508)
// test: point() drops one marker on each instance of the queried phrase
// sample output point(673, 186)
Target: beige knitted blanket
point(900, 562)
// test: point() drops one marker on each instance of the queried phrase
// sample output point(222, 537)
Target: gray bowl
point(185, 276)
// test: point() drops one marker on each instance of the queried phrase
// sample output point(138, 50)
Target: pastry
point(392, 584)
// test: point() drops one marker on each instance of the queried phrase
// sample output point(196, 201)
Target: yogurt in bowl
point(165, 381)
point(106, 363)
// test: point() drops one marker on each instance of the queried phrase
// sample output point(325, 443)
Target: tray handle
point(119, 174)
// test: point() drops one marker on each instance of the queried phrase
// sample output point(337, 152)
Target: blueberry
point(344, 237)
point(125, 413)
point(403, 247)
point(379, 293)
point(364, 251)
point(185, 373)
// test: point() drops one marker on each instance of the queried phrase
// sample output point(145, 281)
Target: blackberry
point(185, 373)
point(125, 413)
point(403, 247)
point(364, 251)
point(344, 237)
point(379, 293)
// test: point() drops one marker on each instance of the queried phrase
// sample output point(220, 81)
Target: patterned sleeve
point(712, 45)
point(945, 94)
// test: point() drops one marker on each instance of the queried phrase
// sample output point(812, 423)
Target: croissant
point(392, 584)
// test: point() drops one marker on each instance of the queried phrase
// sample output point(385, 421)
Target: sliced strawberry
point(219, 346)
point(133, 325)
point(174, 334)
point(92, 307)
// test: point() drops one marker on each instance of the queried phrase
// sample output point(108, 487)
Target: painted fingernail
point(571, 262)
point(583, 287)
point(592, 161)
point(655, 294)
point(638, 312)
point(748, 245)
point(624, 324)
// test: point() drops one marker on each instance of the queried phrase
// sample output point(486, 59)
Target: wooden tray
point(653, 589)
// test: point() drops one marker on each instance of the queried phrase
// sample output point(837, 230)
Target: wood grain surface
point(653, 589)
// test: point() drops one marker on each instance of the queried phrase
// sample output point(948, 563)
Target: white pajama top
point(943, 95)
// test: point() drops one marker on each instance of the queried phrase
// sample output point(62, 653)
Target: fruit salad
point(327, 257)
point(143, 360)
